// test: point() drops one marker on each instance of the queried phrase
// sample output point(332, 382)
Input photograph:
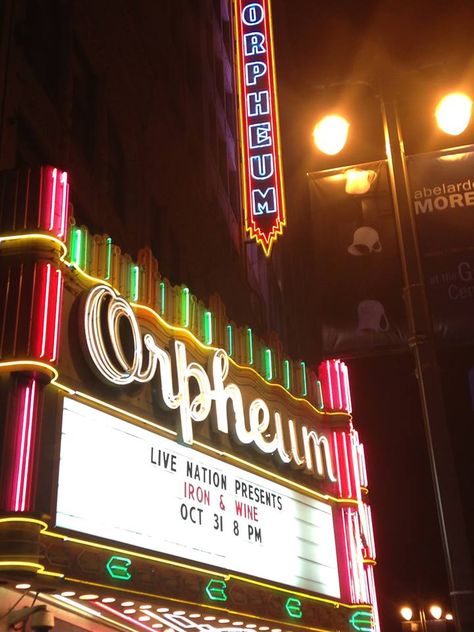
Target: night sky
point(326, 54)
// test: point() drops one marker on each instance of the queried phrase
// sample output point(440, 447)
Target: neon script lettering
point(195, 392)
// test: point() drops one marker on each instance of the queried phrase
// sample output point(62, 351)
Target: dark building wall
point(136, 101)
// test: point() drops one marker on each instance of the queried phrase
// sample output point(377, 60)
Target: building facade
point(139, 106)
point(164, 464)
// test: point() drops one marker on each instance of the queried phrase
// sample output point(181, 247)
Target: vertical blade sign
point(263, 199)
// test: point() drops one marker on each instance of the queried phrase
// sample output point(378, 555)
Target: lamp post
point(422, 345)
point(425, 619)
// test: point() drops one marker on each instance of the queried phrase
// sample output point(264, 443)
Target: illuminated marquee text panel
point(141, 489)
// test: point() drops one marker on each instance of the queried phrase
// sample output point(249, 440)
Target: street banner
point(357, 264)
point(357, 256)
point(442, 189)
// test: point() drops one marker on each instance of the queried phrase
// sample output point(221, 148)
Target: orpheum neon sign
point(195, 393)
point(264, 205)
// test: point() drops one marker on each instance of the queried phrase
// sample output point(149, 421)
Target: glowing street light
point(453, 113)
point(421, 621)
point(436, 611)
point(407, 613)
point(330, 134)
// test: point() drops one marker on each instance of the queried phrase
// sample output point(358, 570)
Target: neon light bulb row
point(178, 619)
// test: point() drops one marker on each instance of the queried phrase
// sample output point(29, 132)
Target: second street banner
point(359, 261)
point(442, 188)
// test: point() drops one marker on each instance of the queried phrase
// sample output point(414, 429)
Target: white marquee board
point(129, 485)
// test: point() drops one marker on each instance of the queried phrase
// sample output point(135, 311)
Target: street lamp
point(407, 613)
point(421, 342)
point(330, 134)
point(436, 611)
point(422, 622)
point(453, 114)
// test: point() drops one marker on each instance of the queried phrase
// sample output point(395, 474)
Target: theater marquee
point(146, 464)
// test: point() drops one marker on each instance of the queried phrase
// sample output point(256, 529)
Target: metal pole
point(420, 337)
point(423, 620)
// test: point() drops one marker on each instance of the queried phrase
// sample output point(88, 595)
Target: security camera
point(41, 619)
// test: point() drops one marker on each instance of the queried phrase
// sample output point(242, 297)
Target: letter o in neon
point(119, 308)
point(116, 370)
point(252, 14)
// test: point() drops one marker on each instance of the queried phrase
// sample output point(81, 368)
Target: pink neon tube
point(25, 421)
point(64, 201)
point(57, 315)
point(54, 176)
point(54, 205)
